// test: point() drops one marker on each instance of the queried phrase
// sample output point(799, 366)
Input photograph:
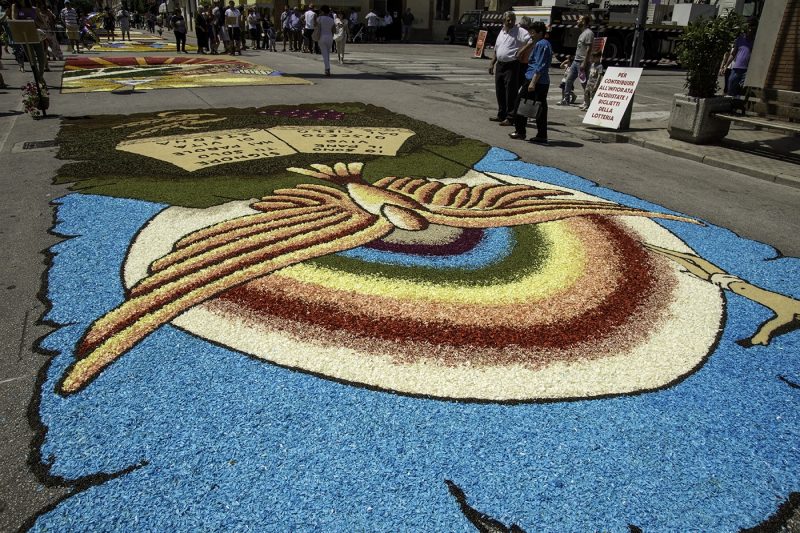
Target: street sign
point(599, 44)
point(480, 43)
point(613, 97)
point(23, 32)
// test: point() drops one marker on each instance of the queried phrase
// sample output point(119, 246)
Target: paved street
point(436, 84)
point(450, 69)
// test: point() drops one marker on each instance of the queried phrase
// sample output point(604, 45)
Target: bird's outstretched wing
point(490, 205)
point(301, 223)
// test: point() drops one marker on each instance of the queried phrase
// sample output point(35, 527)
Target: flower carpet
point(333, 317)
point(140, 46)
point(98, 74)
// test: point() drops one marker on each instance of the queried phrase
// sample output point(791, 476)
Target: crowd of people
point(520, 65)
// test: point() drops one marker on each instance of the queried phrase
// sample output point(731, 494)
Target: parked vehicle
point(471, 22)
point(660, 39)
point(664, 27)
point(618, 28)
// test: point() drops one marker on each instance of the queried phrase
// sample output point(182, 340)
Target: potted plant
point(702, 48)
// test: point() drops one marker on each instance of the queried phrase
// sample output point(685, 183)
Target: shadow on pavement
point(783, 149)
point(353, 76)
point(562, 144)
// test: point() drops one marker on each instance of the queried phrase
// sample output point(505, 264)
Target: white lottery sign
point(612, 97)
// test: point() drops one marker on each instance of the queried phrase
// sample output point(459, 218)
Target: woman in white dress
point(340, 35)
point(325, 25)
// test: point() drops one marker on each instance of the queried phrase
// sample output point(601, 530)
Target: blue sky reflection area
point(231, 443)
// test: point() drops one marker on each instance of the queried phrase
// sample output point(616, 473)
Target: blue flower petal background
point(210, 439)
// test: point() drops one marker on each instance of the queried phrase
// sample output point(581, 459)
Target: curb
point(714, 161)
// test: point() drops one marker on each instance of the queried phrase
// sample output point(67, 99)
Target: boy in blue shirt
point(537, 83)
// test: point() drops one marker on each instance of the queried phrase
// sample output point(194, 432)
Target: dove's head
point(340, 173)
point(402, 211)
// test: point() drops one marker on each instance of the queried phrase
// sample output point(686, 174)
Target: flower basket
point(35, 100)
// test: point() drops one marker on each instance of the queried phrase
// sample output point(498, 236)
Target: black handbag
point(528, 107)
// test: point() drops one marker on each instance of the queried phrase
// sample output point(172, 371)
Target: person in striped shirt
point(70, 19)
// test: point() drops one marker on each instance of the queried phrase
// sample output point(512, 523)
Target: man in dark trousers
point(583, 52)
point(537, 83)
point(505, 66)
point(407, 21)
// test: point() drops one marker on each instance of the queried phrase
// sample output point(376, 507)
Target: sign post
point(23, 32)
point(480, 44)
point(613, 97)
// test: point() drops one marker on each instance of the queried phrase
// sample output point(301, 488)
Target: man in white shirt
point(233, 20)
point(310, 19)
point(162, 15)
point(373, 22)
point(386, 27)
point(512, 41)
point(583, 51)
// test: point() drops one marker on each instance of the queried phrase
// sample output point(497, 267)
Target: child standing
point(595, 75)
point(563, 85)
point(271, 37)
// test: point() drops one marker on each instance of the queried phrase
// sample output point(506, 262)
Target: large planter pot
point(691, 120)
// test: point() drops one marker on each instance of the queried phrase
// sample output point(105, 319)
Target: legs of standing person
point(236, 40)
point(540, 95)
point(569, 88)
point(520, 121)
point(325, 48)
point(587, 97)
point(285, 36)
point(506, 85)
point(55, 46)
point(501, 82)
point(340, 49)
point(735, 81)
point(72, 36)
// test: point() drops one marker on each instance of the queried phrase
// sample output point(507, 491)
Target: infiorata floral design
point(308, 114)
point(431, 335)
point(108, 73)
point(305, 222)
point(170, 120)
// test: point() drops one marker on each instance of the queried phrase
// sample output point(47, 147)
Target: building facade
point(432, 18)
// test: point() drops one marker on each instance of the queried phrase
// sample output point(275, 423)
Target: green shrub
point(702, 48)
